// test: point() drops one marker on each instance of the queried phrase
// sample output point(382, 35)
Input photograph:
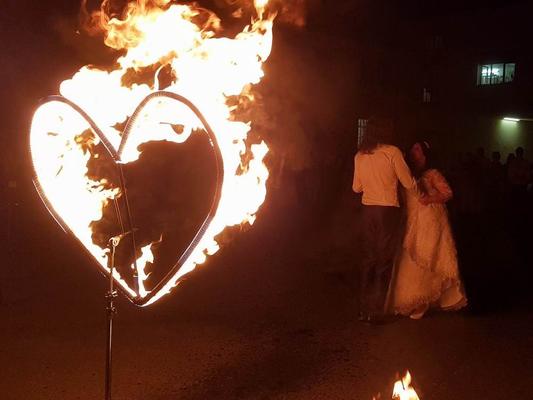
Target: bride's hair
point(428, 153)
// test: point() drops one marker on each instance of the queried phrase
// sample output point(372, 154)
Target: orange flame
point(403, 389)
point(206, 69)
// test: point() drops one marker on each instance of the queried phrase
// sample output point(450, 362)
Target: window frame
point(491, 78)
point(362, 124)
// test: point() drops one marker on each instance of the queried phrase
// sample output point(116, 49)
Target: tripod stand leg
point(109, 345)
point(111, 311)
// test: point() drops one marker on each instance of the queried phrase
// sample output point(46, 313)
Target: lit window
point(426, 95)
point(495, 74)
point(509, 72)
point(484, 75)
point(361, 130)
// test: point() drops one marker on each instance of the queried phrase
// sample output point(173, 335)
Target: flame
point(403, 389)
point(260, 6)
point(147, 256)
point(206, 68)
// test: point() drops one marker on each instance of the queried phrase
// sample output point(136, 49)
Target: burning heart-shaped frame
point(116, 154)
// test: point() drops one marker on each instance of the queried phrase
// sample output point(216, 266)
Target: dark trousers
point(380, 239)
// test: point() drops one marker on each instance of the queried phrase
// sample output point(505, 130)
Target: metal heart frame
point(116, 156)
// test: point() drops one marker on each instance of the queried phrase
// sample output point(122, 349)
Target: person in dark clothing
point(496, 182)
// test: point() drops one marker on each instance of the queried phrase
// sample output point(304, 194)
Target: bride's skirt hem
point(414, 307)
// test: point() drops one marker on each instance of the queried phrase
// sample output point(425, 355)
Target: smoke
point(289, 12)
point(293, 12)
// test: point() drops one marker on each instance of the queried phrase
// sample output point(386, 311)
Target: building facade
point(460, 76)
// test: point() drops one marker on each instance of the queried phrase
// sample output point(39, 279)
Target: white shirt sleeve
point(402, 170)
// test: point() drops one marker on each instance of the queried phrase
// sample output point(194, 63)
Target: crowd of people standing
point(485, 184)
point(492, 215)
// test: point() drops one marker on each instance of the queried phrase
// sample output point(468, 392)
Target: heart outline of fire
point(208, 70)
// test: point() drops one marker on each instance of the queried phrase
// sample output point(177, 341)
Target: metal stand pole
point(111, 311)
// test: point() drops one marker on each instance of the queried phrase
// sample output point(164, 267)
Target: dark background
point(272, 315)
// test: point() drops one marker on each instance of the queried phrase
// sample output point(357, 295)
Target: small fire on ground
point(402, 389)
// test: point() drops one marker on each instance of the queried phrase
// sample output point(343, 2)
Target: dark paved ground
point(269, 317)
point(272, 315)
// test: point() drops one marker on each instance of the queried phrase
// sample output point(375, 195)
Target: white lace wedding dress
point(426, 271)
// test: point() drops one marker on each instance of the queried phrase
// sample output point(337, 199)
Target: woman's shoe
point(419, 312)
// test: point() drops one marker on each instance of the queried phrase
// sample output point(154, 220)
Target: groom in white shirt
point(379, 166)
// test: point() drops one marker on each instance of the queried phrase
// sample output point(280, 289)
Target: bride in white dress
point(426, 272)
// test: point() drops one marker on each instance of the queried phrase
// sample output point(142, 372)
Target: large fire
point(207, 69)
